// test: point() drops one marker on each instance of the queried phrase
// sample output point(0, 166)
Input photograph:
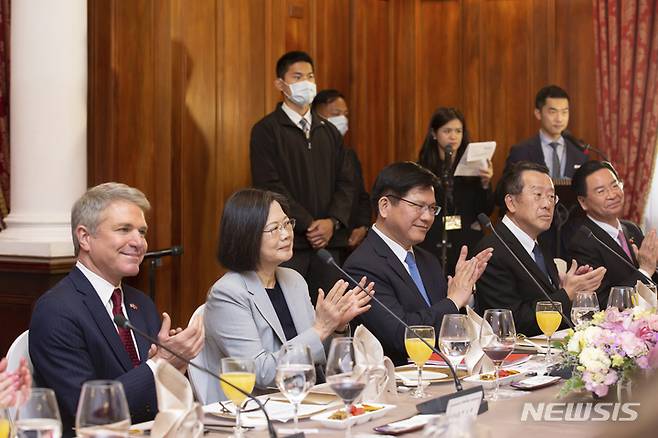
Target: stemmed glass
point(549, 318)
point(418, 352)
point(39, 415)
point(585, 304)
point(295, 375)
point(342, 376)
point(241, 373)
point(455, 338)
point(497, 338)
point(102, 410)
point(622, 297)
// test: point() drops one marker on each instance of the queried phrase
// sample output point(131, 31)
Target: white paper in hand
point(475, 158)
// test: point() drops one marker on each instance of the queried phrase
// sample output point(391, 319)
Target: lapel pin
point(133, 306)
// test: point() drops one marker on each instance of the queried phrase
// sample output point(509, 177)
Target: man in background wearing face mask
point(331, 105)
point(300, 155)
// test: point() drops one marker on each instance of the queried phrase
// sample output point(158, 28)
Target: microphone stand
point(155, 261)
point(486, 223)
point(583, 145)
point(447, 182)
point(123, 322)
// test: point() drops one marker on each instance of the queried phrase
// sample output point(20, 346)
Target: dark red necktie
point(124, 333)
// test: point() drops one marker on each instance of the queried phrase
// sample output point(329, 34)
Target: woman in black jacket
point(472, 195)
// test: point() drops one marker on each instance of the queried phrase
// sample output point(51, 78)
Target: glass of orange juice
point(549, 318)
point(240, 373)
point(419, 352)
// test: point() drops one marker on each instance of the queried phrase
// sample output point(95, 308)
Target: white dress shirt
point(547, 149)
point(295, 117)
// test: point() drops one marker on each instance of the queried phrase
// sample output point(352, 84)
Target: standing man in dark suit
point(300, 155)
point(408, 279)
point(601, 195)
point(529, 196)
point(548, 147)
point(73, 338)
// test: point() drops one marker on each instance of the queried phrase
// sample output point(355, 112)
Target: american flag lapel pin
point(133, 306)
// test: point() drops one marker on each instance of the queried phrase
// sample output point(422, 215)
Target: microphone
point(123, 322)
point(326, 257)
point(485, 222)
point(582, 145)
point(173, 251)
point(590, 235)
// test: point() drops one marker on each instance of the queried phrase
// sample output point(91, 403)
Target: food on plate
point(354, 411)
point(502, 374)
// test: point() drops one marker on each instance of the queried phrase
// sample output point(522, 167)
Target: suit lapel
point(263, 303)
point(536, 153)
point(628, 234)
point(525, 258)
point(98, 312)
point(571, 159)
point(382, 249)
point(429, 279)
point(296, 304)
point(605, 237)
point(136, 317)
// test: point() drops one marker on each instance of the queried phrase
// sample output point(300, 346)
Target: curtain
point(4, 109)
point(626, 46)
point(651, 210)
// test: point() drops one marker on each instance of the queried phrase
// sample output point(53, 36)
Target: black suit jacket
point(588, 251)
point(395, 288)
point(505, 285)
point(73, 340)
point(530, 150)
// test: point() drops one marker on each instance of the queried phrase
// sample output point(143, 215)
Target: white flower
point(592, 334)
point(575, 343)
point(594, 360)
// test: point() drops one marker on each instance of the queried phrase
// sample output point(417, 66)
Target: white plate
point(491, 384)
point(410, 377)
point(324, 419)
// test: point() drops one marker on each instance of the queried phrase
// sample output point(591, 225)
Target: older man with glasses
point(601, 195)
point(527, 192)
point(408, 279)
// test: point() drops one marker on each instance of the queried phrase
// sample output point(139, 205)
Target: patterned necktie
point(124, 333)
point(556, 171)
point(541, 263)
point(621, 238)
point(303, 123)
point(415, 276)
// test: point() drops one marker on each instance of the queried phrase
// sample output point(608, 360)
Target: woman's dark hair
point(241, 228)
point(325, 97)
point(398, 179)
point(429, 151)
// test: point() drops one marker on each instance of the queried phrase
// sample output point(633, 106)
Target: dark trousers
point(317, 273)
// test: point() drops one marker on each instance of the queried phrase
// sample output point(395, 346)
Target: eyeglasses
point(276, 229)
point(420, 208)
point(537, 197)
point(614, 188)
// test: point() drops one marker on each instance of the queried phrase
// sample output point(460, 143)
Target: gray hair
point(88, 208)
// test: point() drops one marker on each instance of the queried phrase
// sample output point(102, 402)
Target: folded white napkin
point(476, 361)
point(370, 359)
point(646, 299)
point(178, 414)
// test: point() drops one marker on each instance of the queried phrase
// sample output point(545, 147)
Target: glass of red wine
point(343, 377)
point(497, 339)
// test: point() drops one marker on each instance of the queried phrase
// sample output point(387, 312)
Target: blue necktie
point(415, 276)
point(541, 263)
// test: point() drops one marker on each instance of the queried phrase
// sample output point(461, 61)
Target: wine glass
point(549, 318)
point(497, 338)
point(295, 375)
point(418, 352)
point(39, 415)
point(622, 297)
point(102, 410)
point(585, 304)
point(455, 338)
point(342, 377)
point(241, 373)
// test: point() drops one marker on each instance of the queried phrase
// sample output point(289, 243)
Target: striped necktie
point(124, 333)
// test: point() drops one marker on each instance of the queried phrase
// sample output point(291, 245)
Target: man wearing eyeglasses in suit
point(408, 279)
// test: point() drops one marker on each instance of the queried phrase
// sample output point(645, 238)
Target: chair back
point(17, 350)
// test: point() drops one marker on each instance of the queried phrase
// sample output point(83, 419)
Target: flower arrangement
point(610, 348)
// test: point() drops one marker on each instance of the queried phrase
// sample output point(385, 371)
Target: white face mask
point(302, 93)
point(341, 123)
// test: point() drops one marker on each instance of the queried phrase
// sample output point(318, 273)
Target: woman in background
point(258, 306)
point(472, 195)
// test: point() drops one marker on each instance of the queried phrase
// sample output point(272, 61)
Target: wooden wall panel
point(175, 86)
